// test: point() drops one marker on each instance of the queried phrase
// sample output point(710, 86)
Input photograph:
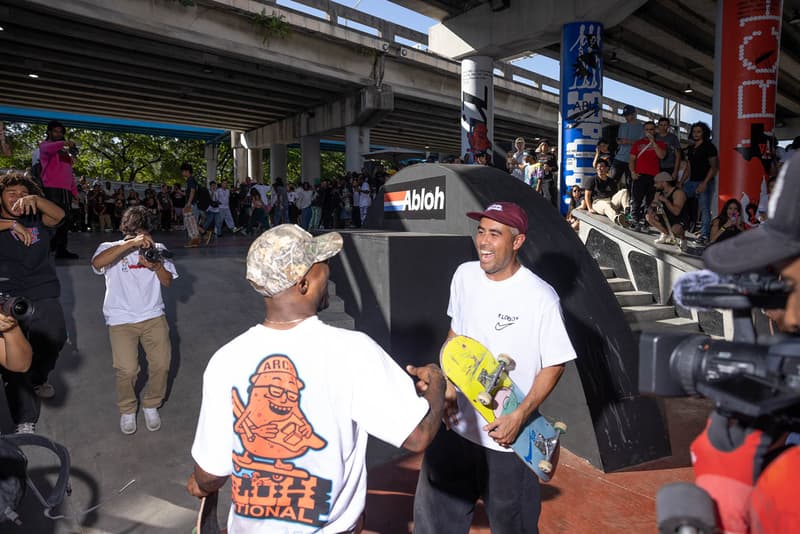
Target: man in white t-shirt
point(364, 199)
point(134, 312)
point(287, 405)
point(502, 304)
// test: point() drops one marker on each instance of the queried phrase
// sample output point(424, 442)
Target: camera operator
point(751, 474)
point(55, 155)
point(134, 312)
point(26, 270)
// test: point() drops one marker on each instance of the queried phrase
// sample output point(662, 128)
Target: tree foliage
point(125, 157)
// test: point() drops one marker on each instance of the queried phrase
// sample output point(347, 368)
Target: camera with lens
point(17, 307)
point(747, 378)
point(155, 255)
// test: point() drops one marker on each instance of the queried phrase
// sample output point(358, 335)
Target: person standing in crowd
point(134, 312)
point(280, 208)
point(27, 225)
point(225, 215)
point(546, 185)
point(629, 132)
point(191, 212)
point(178, 203)
point(304, 204)
point(669, 202)
point(212, 224)
point(472, 460)
point(364, 200)
point(602, 152)
point(293, 369)
point(672, 160)
point(645, 163)
point(165, 208)
point(604, 196)
point(698, 184)
point(55, 156)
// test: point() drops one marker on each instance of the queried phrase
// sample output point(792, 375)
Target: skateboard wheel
point(484, 398)
point(508, 360)
point(560, 426)
point(545, 466)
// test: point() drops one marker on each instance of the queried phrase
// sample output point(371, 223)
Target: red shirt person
point(644, 163)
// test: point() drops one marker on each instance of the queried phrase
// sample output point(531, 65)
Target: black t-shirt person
point(27, 271)
point(698, 157)
point(600, 188)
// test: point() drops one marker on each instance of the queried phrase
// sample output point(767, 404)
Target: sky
point(539, 64)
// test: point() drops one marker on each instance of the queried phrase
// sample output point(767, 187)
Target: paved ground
point(208, 305)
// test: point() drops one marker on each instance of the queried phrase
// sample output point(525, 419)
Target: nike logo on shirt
point(502, 326)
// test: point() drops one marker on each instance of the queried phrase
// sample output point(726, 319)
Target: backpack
point(14, 478)
point(203, 197)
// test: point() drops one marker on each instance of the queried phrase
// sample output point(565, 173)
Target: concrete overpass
point(212, 65)
point(663, 46)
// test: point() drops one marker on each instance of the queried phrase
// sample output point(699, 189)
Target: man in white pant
point(225, 216)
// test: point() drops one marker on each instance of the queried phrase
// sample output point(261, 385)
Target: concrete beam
point(480, 31)
point(365, 108)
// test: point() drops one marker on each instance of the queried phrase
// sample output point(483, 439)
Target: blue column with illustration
point(581, 103)
point(477, 107)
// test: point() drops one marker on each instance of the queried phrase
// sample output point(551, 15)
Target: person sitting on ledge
point(603, 196)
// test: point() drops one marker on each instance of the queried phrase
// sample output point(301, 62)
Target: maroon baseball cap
point(507, 213)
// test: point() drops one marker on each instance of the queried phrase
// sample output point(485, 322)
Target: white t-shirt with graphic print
point(133, 292)
point(520, 316)
point(295, 442)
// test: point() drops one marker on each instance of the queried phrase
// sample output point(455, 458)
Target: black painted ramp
point(610, 425)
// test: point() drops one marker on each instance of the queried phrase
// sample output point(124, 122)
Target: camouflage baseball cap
point(281, 256)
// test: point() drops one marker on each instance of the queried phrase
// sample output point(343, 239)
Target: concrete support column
point(748, 37)
point(310, 153)
point(211, 161)
point(581, 104)
point(277, 162)
point(477, 106)
point(239, 157)
point(356, 143)
point(255, 163)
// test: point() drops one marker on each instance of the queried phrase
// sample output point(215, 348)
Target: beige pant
point(125, 338)
point(611, 207)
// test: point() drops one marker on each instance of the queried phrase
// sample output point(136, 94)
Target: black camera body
point(155, 255)
point(17, 307)
point(745, 378)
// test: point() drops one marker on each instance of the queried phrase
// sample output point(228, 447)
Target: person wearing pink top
point(55, 156)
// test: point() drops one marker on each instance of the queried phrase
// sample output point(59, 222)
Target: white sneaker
point(664, 239)
point(151, 419)
point(127, 423)
point(45, 391)
point(26, 428)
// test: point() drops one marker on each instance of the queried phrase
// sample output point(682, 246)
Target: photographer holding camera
point(135, 268)
point(747, 464)
point(26, 270)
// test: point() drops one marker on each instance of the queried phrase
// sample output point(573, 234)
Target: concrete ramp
point(610, 425)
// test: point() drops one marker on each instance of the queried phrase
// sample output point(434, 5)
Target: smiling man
point(502, 304)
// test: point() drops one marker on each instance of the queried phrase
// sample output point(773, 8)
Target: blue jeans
point(305, 217)
point(213, 218)
point(704, 204)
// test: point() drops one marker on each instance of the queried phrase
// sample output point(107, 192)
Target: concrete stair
point(641, 311)
point(334, 314)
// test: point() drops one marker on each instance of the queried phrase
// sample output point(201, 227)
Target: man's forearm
point(207, 482)
point(427, 428)
point(111, 255)
point(542, 386)
point(49, 210)
point(18, 350)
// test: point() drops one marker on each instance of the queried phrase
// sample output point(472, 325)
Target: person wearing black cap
point(505, 306)
point(55, 156)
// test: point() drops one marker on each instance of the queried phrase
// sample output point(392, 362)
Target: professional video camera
point(756, 382)
point(744, 378)
point(155, 255)
point(16, 307)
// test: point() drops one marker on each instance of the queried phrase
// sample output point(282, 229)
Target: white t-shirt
point(264, 190)
point(520, 316)
point(364, 199)
point(343, 386)
point(133, 292)
point(304, 198)
point(224, 198)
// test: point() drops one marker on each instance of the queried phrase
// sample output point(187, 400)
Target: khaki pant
point(611, 207)
point(125, 338)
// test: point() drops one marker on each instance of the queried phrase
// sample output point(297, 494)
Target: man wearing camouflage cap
point(300, 398)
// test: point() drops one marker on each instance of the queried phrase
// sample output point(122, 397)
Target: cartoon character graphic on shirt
point(273, 429)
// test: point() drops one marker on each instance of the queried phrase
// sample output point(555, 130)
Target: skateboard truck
point(506, 363)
